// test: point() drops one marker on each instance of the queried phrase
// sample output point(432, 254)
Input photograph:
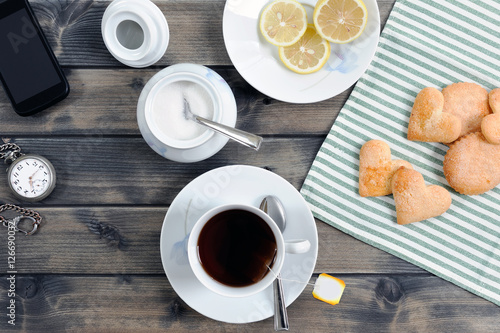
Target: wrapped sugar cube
point(328, 289)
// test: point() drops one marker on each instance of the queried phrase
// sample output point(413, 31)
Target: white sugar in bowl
point(160, 112)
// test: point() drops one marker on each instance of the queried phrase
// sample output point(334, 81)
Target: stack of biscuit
point(464, 116)
point(467, 118)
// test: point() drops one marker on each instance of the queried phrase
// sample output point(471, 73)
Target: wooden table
point(94, 265)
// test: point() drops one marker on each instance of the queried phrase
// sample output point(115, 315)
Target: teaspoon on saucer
point(274, 208)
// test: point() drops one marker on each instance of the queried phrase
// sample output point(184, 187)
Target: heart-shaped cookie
point(428, 122)
point(469, 102)
point(472, 165)
point(414, 200)
point(490, 126)
point(376, 169)
point(494, 100)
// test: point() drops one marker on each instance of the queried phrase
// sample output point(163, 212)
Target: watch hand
point(31, 178)
point(34, 173)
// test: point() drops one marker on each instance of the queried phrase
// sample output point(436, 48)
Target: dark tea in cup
point(236, 248)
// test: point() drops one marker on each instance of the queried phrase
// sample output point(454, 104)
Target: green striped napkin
point(425, 43)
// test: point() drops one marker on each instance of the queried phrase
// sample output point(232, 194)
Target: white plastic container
point(135, 32)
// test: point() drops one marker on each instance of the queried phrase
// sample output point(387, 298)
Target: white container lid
point(135, 32)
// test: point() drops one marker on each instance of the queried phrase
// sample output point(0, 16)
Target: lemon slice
point(328, 289)
point(308, 55)
point(340, 21)
point(283, 22)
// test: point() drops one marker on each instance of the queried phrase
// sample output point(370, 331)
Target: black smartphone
point(29, 71)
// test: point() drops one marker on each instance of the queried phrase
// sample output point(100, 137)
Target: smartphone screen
point(29, 71)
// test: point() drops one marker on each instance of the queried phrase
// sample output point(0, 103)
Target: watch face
point(31, 177)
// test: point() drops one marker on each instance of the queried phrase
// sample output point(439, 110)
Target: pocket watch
point(31, 177)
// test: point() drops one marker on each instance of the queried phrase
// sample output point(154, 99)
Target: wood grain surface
point(95, 265)
point(138, 303)
point(125, 240)
point(104, 102)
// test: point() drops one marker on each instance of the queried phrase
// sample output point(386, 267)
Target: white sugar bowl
point(160, 112)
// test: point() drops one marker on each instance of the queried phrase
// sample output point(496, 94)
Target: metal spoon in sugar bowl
point(248, 139)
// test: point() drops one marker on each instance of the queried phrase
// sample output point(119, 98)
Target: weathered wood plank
point(129, 303)
point(126, 240)
point(105, 102)
point(73, 29)
point(126, 171)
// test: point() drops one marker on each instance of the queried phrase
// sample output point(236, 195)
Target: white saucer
point(211, 146)
point(259, 64)
point(235, 184)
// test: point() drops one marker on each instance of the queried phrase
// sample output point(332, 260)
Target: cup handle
point(297, 246)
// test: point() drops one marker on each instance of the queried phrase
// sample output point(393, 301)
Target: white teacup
point(282, 247)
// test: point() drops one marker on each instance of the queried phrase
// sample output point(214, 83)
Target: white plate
point(235, 184)
point(259, 64)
